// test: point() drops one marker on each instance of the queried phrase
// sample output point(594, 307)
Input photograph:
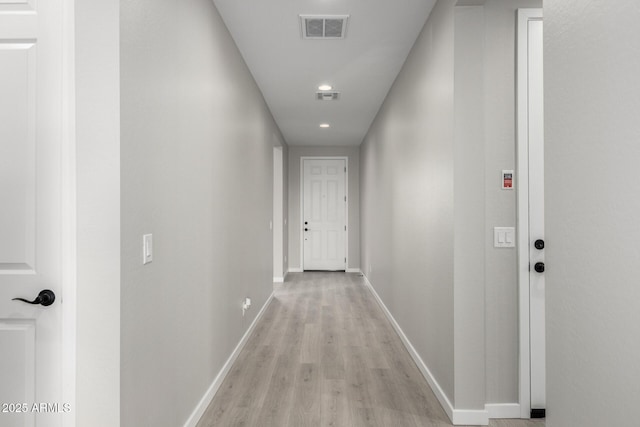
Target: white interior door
point(531, 213)
point(323, 214)
point(536, 219)
point(30, 219)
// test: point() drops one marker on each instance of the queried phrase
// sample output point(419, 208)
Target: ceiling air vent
point(327, 96)
point(323, 27)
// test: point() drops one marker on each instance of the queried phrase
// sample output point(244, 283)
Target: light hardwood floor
point(324, 354)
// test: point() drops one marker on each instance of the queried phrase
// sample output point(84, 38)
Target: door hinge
point(345, 260)
point(345, 198)
point(345, 169)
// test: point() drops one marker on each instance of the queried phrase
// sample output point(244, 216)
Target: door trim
point(69, 209)
point(277, 232)
point(346, 213)
point(524, 16)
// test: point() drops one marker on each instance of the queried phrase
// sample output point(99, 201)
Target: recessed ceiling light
point(325, 87)
point(324, 125)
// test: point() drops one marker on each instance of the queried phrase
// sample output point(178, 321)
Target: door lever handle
point(45, 298)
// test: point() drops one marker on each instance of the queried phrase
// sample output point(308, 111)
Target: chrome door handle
point(45, 298)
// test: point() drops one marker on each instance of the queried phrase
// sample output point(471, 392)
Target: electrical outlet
point(245, 305)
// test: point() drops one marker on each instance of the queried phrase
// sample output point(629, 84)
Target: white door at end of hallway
point(323, 214)
point(31, 214)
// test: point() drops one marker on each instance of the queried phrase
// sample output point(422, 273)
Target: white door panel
point(531, 213)
point(30, 212)
point(17, 159)
point(536, 215)
point(324, 214)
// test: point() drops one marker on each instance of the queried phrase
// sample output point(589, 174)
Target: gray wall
point(469, 207)
point(407, 197)
point(353, 154)
point(430, 188)
point(97, 151)
point(592, 153)
point(501, 273)
point(197, 163)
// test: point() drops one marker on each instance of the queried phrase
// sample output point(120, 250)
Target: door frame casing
point(522, 126)
point(346, 212)
point(90, 167)
point(68, 237)
point(278, 214)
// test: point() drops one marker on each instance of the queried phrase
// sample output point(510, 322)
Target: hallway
point(324, 354)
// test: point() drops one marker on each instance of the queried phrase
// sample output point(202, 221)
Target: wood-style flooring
point(324, 354)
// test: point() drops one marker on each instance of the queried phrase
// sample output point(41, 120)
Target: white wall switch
point(147, 248)
point(504, 237)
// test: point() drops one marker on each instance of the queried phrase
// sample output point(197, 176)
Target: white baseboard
point(278, 279)
point(442, 397)
point(217, 382)
point(299, 270)
point(471, 417)
point(503, 410)
point(457, 416)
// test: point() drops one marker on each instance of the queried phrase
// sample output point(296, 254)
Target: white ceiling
point(288, 69)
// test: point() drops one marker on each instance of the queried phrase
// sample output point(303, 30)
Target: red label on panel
point(507, 180)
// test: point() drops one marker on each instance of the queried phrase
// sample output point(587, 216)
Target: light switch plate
point(504, 237)
point(147, 248)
